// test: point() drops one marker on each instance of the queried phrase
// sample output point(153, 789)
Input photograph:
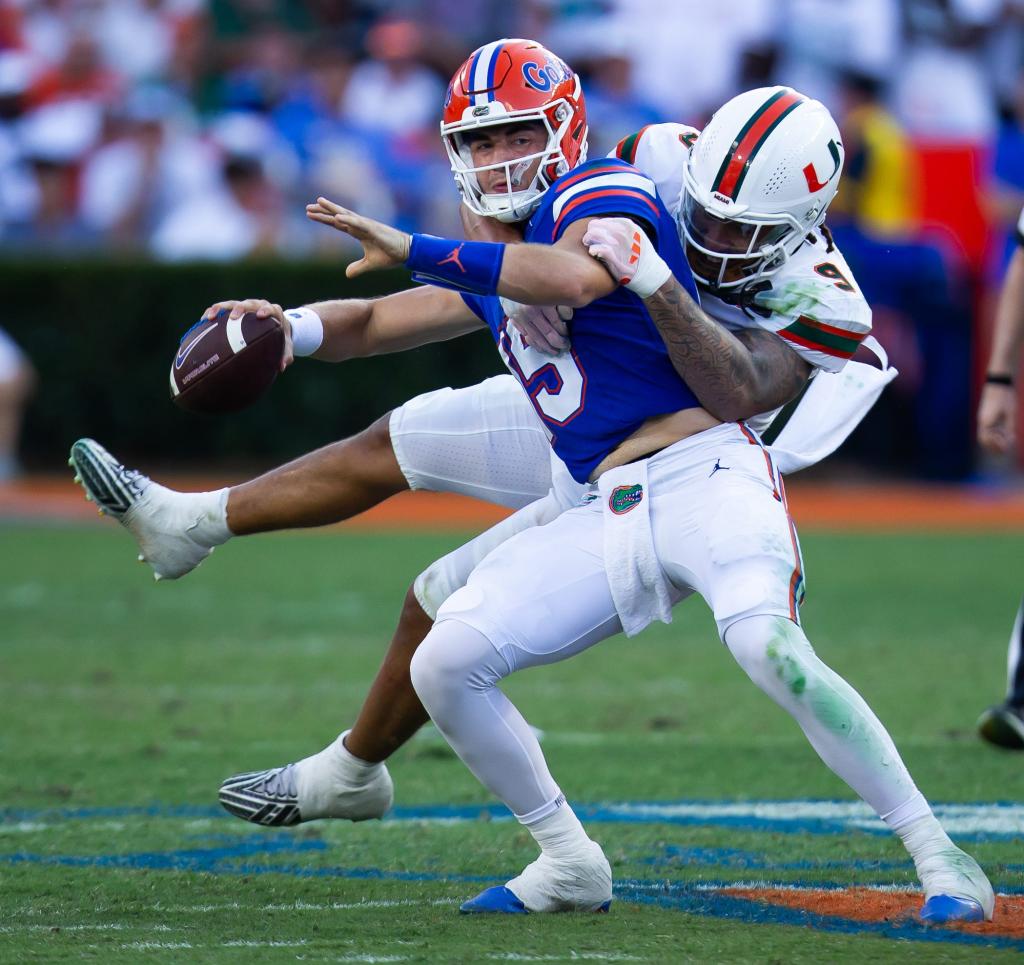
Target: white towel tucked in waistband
point(639, 587)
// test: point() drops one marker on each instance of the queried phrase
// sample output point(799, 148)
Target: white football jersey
point(814, 303)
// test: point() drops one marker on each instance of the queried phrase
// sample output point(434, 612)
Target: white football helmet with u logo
point(758, 180)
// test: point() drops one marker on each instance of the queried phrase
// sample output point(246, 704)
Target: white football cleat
point(161, 520)
point(955, 887)
point(330, 784)
point(551, 885)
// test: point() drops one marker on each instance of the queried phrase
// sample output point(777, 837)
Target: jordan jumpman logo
point(454, 257)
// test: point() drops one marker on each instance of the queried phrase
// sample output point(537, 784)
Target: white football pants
point(543, 595)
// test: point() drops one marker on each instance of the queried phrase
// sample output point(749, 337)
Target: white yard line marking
point(777, 886)
point(151, 946)
point(109, 926)
point(571, 956)
point(304, 906)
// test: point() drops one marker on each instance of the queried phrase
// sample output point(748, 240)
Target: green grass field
point(123, 704)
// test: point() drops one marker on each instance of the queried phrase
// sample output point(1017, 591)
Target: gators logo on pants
point(625, 498)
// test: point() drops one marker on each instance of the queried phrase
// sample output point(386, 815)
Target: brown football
point(224, 366)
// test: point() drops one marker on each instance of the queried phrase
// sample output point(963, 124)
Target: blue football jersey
point(618, 373)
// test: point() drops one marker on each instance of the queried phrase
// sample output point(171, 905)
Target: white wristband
point(307, 330)
point(651, 274)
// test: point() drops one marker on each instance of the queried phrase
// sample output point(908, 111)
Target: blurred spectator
point(80, 75)
point(686, 54)
point(880, 180)
point(942, 91)
point(246, 213)
point(259, 81)
point(137, 37)
point(819, 40)
point(17, 380)
point(614, 108)
point(1005, 192)
point(152, 163)
point(917, 284)
point(307, 111)
point(52, 139)
point(17, 182)
point(393, 92)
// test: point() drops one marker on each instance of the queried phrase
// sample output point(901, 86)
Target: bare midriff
point(655, 434)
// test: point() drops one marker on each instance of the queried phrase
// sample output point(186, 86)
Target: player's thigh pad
point(451, 572)
point(484, 441)
point(543, 595)
point(726, 532)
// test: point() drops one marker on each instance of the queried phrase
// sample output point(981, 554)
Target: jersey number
point(827, 270)
point(557, 386)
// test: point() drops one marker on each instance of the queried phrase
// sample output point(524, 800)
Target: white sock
point(354, 768)
point(917, 827)
point(322, 776)
point(560, 834)
point(338, 764)
point(211, 523)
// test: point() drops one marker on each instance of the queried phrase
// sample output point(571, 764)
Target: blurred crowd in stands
point(198, 129)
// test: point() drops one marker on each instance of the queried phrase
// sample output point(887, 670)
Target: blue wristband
point(465, 266)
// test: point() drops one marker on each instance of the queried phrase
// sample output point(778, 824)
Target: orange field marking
point(865, 507)
point(867, 904)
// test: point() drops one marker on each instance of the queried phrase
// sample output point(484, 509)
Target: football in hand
point(223, 365)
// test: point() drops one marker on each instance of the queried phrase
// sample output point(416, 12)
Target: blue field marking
point(674, 856)
point(220, 860)
point(705, 899)
point(967, 822)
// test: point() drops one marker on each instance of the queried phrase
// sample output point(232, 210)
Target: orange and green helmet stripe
point(751, 137)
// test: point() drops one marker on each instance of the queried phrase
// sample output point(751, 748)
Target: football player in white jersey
point(944, 870)
point(1003, 725)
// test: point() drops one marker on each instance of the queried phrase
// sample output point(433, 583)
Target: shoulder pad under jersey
point(660, 151)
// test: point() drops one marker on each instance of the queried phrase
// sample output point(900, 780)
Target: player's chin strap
point(744, 298)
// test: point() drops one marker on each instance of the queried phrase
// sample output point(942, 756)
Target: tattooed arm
point(734, 376)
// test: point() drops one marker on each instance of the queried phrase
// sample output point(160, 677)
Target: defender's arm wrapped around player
point(733, 375)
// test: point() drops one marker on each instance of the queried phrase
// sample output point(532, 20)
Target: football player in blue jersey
point(673, 499)
point(650, 528)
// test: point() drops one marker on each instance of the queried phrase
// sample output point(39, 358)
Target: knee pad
point(454, 657)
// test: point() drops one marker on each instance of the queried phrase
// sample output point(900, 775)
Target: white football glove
point(626, 251)
point(543, 327)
